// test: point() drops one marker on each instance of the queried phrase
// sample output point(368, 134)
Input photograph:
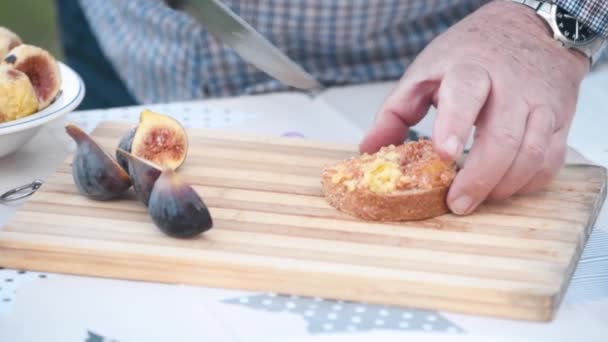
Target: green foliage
point(34, 21)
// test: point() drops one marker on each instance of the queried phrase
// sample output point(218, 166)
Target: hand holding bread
point(499, 76)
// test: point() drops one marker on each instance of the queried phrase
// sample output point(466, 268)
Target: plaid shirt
point(164, 55)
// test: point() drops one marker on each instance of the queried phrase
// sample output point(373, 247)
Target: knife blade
point(254, 48)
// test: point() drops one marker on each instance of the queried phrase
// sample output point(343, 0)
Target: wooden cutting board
point(274, 232)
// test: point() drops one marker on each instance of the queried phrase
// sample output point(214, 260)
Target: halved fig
point(143, 175)
point(41, 68)
point(159, 139)
point(96, 174)
point(176, 208)
point(125, 145)
point(8, 41)
point(17, 96)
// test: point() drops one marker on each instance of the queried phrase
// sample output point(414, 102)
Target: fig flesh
point(159, 139)
point(143, 175)
point(176, 208)
point(40, 67)
point(17, 96)
point(8, 41)
point(96, 174)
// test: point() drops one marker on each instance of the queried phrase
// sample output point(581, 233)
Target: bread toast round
point(397, 183)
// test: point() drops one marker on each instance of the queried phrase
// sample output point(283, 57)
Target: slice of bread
point(397, 183)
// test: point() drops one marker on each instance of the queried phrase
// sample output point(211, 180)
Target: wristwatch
point(568, 30)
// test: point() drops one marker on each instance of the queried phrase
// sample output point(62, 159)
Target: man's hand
point(499, 70)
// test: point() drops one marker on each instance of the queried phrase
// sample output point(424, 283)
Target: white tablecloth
point(54, 307)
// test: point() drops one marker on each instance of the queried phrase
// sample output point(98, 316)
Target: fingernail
point(461, 205)
point(452, 146)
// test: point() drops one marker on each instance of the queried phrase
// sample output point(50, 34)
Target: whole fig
point(95, 173)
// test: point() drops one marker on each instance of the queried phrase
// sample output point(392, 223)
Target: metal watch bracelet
point(544, 9)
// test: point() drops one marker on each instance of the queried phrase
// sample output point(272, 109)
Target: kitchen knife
point(222, 22)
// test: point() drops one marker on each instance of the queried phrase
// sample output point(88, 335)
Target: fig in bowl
point(8, 41)
point(41, 69)
point(18, 97)
point(35, 90)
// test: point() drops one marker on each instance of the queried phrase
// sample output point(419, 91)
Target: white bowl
point(14, 134)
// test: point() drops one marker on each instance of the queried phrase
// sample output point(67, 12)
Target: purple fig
point(176, 208)
point(143, 175)
point(95, 173)
point(125, 145)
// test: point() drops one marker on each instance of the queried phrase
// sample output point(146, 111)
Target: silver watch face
point(571, 28)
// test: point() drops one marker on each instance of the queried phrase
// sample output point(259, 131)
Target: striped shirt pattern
point(164, 55)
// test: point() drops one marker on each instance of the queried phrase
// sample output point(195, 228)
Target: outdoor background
point(34, 21)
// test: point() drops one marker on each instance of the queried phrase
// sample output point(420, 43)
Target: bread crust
point(404, 206)
point(398, 205)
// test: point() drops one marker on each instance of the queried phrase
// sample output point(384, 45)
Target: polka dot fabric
point(10, 281)
point(189, 116)
point(338, 316)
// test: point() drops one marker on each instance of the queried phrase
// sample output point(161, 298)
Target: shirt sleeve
point(592, 13)
point(154, 49)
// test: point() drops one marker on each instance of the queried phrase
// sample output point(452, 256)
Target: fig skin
point(8, 41)
point(96, 175)
point(40, 67)
point(160, 139)
point(125, 145)
point(176, 208)
point(143, 175)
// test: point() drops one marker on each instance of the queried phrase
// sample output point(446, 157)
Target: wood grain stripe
point(336, 252)
point(318, 208)
point(404, 235)
point(490, 290)
point(273, 231)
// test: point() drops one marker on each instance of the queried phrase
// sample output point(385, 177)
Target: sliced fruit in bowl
point(41, 69)
point(16, 133)
point(18, 96)
point(35, 90)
